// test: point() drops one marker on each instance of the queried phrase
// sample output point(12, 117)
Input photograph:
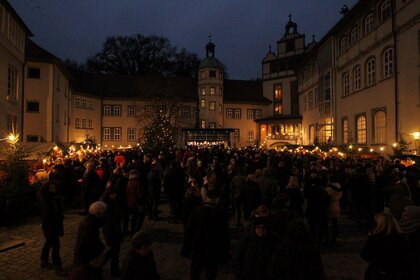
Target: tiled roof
point(144, 87)
point(239, 91)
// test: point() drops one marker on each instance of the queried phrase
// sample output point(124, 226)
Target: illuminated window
point(357, 78)
point(212, 105)
point(131, 134)
point(83, 123)
point(237, 113)
point(90, 124)
point(250, 136)
point(203, 104)
point(370, 72)
point(76, 102)
point(345, 131)
point(107, 134)
point(278, 99)
point(212, 91)
point(203, 91)
point(380, 127)
point(361, 130)
point(212, 125)
point(203, 124)
point(117, 134)
point(387, 63)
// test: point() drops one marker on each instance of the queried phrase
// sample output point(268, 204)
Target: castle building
point(358, 86)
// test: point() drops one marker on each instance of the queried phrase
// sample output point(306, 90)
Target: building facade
point(13, 34)
point(360, 84)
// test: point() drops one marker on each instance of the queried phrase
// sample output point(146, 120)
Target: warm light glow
point(416, 135)
point(371, 150)
point(263, 128)
point(351, 147)
point(55, 148)
point(11, 137)
point(381, 148)
point(394, 145)
point(360, 149)
point(44, 161)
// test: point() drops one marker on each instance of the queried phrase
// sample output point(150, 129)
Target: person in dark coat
point(154, 185)
point(316, 210)
point(250, 196)
point(207, 238)
point(88, 242)
point(112, 231)
point(52, 226)
point(91, 186)
point(136, 202)
point(139, 262)
point(253, 253)
point(296, 257)
point(118, 181)
point(174, 186)
point(385, 250)
point(410, 228)
point(268, 187)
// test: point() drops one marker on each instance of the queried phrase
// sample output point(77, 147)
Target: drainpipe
point(395, 63)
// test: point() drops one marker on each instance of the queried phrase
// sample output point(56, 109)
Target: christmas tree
point(159, 136)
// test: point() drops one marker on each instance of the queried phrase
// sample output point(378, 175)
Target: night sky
point(241, 29)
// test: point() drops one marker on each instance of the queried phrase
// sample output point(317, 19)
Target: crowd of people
point(287, 204)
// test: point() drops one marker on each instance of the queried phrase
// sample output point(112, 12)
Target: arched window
point(346, 84)
point(343, 44)
point(278, 99)
point(354, 35)
point(357, 78)
point(361, 130)
point(380, 127)
point(345, 131)
point(387, 59)
point(385, 10)
point(368, 23)
point(370, 72)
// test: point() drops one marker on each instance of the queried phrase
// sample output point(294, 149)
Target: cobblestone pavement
point(340, 262)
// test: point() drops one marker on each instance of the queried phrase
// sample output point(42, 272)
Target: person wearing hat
point(254, 251)
point(206, 238)
point(140, 262)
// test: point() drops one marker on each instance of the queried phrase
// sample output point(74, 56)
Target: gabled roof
point(35, 53)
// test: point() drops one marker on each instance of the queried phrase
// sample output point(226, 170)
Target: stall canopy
point(33, 151)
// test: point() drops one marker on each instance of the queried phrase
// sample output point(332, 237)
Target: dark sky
point(241, 29)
